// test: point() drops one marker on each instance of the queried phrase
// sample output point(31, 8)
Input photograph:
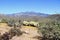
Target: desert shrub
point(50, 31)
point(15, 31)
point(14, 23)
point(5, 36)
point(11, 23)
point(4, 21)
point(12, 32)
point(20, 23)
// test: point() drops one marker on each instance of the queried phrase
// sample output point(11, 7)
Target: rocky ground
point(29, 32)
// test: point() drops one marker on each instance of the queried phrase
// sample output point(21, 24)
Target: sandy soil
point(30, 33)
point(4, 28)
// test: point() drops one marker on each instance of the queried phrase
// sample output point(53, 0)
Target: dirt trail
point(30, 33)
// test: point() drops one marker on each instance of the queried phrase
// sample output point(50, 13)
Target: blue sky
point(43, 6)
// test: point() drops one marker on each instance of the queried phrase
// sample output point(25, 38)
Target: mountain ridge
point(28, 14)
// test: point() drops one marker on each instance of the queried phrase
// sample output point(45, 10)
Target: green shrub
point(50, 31)
point(15, 31)
point(4, 21)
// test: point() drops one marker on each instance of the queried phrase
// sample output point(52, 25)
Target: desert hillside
point(29, 32)
point(30, 28)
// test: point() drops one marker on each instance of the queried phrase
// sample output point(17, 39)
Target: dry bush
point(50, 31)
point(15, 31)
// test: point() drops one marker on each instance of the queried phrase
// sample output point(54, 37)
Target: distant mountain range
point(24, 16)
point(28, 14)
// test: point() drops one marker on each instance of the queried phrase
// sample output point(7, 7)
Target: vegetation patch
point(50, 31)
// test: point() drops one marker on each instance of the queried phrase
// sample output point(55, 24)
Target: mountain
point(41, 17)
point(25, 16)
point(54, 16)
point(28, 14)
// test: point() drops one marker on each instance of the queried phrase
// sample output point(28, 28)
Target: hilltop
point(55, 17)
